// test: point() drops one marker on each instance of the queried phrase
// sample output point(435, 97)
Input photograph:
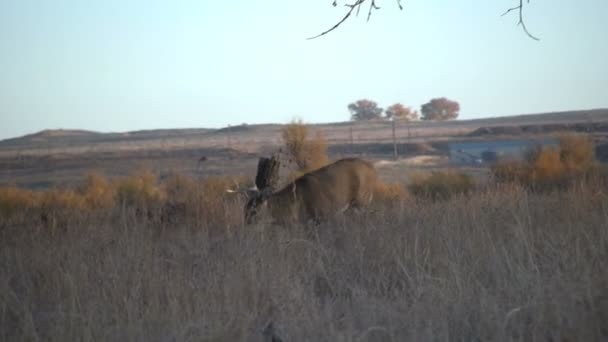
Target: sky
point(118, 65)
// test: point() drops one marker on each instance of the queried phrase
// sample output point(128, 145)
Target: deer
point(317, 195)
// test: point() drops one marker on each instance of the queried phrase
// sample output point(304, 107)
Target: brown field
point(163, 255)
point(64, 157)
point(500, 265)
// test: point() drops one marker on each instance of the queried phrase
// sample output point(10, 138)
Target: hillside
point(260, 137)
point(55, 157)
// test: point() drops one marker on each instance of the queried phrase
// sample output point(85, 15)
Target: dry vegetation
point(441, 185)
point(305, 152)
point(145, 260)
point(500, 265)
point(551, 168)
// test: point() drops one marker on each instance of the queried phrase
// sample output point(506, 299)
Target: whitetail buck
point(346, 183)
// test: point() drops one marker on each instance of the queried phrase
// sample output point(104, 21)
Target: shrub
point(61, 199)
point(218, 208)
point(97, 192)
point(547, 168)
point(138, 190)
point(508, 172)
point(60, 206)
point(178, 197)
point(181, 189)
point(553, 167)
point(203, 200)
point(305, 152)
point(577, 153)
point(441, 185)
point(14, 200)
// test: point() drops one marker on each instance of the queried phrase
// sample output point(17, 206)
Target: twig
point(521, 22)
point(357, 4)
point(372, 6)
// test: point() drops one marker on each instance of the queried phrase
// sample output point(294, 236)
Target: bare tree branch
point(372, 6)
point(520, 10)
point(357, 5)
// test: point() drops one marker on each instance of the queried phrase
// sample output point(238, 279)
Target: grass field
point(163, 255)
point(503, 264)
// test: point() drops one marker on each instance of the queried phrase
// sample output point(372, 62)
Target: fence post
point(352, 149)
point(394, 139)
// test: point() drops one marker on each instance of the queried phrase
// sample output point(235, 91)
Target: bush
point(553, 167)
point(139, 190)
point(441, 185)
point(181, 189)
point(547, 168)
point(97, 192)
point(508, 172)
point(577, 154)
point(61, 199)
point(305, 152)
point(176, 198)
point(14, 200)
point(202, 200)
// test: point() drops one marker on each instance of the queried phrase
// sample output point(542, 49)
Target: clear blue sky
point(117, 65)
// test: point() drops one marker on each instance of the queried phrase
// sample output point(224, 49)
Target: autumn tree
point(401, 112)
point(440, 109)
point(364, 110)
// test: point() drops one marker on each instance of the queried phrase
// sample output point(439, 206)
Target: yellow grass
point(504, 264)
point(14, 200)
point(307, 153)
point(441, 185)
point(390, 193)
point(554, 167)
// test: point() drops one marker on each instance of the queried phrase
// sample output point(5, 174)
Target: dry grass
point(139, 190)
point(555, 167)
point(390, 194)
point(170, 201)
point(504, 264)
point(14, 199)
point(305, 152)
point(441, 185)
point(97, 192)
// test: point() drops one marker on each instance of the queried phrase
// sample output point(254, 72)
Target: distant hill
point(514, 130)
point(171, 132)
point(59, 133)
point(57, 137)
point(48, 135)
point(590, 115)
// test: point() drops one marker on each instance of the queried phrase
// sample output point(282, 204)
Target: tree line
point(437, 109)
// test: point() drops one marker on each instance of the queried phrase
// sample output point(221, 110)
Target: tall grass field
point(523, 258)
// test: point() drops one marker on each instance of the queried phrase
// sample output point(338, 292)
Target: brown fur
point(346, 183)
